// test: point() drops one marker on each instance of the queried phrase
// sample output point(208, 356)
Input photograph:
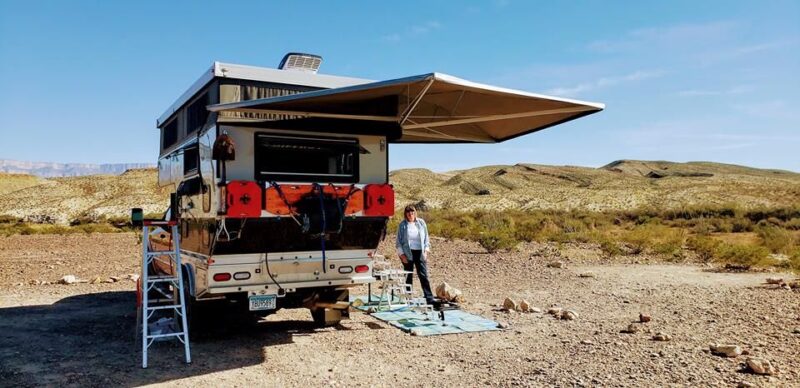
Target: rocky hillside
point(50, 170)
point(62, 200)
point(617, 186)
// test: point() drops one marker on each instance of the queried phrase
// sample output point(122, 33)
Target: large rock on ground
point(726, 350)
point(449, 293)
point(510, 305)
point(761, 366)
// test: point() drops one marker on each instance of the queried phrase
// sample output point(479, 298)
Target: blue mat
point(455, 322)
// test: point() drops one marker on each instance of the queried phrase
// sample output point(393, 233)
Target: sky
point(84, 81)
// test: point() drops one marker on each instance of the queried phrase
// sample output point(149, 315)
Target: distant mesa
point(54, 170)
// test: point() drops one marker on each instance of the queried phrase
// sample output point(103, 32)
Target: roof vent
point(301, 62)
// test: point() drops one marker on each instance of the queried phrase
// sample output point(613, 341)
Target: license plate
point(262, 302)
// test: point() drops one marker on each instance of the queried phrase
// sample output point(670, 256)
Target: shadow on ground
point(90, 340)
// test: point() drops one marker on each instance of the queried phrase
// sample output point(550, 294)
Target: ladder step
point(171, 306)
point(156, 279)
point(175, 334)
point(161, 253)
point(162, 300)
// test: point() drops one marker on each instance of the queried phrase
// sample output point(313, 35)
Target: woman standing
point(414, 246)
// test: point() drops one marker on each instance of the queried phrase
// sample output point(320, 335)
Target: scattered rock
point(726, 350)
point(115, 279)
point(502, 325)
point(96, 280)
point(556, 264)
point(761, 366)
point(587, 342)
point(535, 310)
point(524, 306)
point(68, 279)
point(588, 274)
point(774, 280)
point(796, 330)
point(510, 305)
point(449, 293)
point(133, 277)
point(631, 329)
point(745, 384)
point(644, 318)
point(555, 311)
point(569, 315)
point(662, 337)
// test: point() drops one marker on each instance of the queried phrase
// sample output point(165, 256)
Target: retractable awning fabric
point(429, 108)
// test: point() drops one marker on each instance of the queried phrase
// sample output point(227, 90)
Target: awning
point(430, 108)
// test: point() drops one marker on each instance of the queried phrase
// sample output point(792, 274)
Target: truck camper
point(279, 177)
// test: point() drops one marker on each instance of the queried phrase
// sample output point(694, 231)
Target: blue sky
point(84, 81)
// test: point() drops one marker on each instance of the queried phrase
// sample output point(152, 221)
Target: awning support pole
point(417, 99)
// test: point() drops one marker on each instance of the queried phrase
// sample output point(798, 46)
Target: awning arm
point(417, 99)
point(500, 117)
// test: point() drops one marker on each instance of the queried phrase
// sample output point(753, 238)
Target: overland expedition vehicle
point(280, 176)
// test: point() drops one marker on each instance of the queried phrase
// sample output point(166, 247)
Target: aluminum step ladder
point(152, 309)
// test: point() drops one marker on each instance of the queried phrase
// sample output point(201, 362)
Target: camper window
point(169, 134)
point(197, 114)
point(306, 159)
point(190, 159)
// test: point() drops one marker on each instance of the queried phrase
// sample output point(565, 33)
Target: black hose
point(324, 226)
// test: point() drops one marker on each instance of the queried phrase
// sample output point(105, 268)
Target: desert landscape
point(83, 334)
point(639, 315)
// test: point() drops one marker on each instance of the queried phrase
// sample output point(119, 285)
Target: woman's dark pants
point(422, 271)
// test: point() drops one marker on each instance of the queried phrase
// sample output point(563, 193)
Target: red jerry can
point(243, 199)
point(378, 200)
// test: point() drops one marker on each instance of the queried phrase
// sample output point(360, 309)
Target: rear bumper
point(287, 271)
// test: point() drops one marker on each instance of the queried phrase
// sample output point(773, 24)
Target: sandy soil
point(84, 334)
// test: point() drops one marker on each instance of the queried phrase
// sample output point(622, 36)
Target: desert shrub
point(96, 228)
point(792, 224)
point(529, 231)
point(775, 239)
point(743, 255)
point(498, 239)
point(669, 242)
point(702, 227)
point(794, 261)
point(7, 219)
point(704, 247)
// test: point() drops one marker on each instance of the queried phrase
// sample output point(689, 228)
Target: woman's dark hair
point(409, 209)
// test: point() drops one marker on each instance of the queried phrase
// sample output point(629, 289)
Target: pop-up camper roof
point(428, 108)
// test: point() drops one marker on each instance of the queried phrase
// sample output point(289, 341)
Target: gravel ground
point(84, 334)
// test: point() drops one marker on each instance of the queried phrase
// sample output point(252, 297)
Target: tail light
point(379, 200)
point(362, 268)
point(222, 277)
point(241, 275)
point(243, 199)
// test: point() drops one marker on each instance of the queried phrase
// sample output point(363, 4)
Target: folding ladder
point(166, 302)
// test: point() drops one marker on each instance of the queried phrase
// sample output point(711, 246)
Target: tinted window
point(306, 159)
point(169, 134)
point(190, 159)
point(197, 114)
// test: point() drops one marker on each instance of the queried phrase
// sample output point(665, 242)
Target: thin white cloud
point(681, 35)
point(604, 82)
point(735, 90)
point(413, 31)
